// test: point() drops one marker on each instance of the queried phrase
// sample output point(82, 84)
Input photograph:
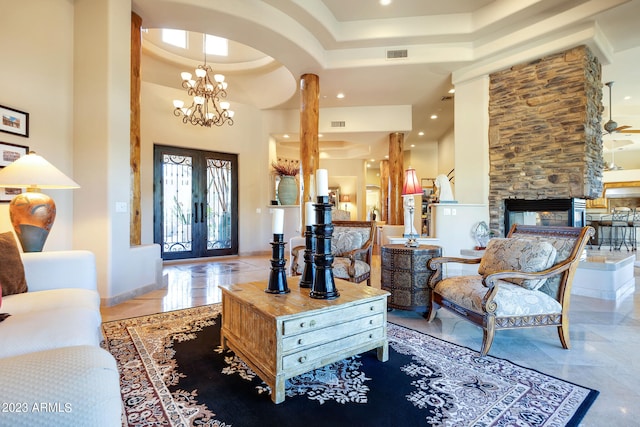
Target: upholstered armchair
point(523, 281)
point(351, 246)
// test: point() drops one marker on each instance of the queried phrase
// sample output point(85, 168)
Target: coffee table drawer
point(322, 320)
point(313, 357)
point(319, 336)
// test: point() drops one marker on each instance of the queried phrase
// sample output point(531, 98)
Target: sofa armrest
point(60, 269)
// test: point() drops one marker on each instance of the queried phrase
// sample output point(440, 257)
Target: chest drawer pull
point(302, 359)
point(300, 341)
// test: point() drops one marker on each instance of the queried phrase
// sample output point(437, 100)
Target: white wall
point(349, 175)
point(472, 141)
point(36, 77)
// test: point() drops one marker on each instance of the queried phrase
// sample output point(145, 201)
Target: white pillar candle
point(308, 213)
point(322, 183)
point(277, 221)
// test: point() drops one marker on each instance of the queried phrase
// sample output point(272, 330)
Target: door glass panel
point(219, 212)
point(177, 175)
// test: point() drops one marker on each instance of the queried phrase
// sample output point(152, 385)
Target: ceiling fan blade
point(620, 128)
point(631, 131)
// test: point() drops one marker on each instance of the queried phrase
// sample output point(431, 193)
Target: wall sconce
point(32, 213)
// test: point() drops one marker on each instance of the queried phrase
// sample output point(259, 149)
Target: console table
point(405, 275)
point(283, 335)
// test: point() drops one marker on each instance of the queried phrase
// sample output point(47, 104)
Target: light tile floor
point(605, 335)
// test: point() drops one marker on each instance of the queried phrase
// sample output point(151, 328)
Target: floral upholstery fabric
point(346, 239)
point(341, 265)
point(511, 299)
point(526, 255)
point(563, 246)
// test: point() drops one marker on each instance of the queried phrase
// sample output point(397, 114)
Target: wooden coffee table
point(281, 336)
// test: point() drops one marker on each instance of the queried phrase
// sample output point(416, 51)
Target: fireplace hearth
point(546, 212)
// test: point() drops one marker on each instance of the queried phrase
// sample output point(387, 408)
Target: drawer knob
point(370, 336)
point(300, 341)
point(371, 322)
point(302, 359)
point(302, 324)
point(372, 308)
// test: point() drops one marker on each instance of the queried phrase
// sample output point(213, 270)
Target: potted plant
point(288, 186)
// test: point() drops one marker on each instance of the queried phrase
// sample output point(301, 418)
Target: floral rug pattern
point(446, 383)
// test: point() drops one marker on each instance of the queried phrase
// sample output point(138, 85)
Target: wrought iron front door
point(195, 202)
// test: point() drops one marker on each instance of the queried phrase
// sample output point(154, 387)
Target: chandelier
point(206, 108)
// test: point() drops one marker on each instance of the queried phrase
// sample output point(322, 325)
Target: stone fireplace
point(545, 137)
point(548, 212)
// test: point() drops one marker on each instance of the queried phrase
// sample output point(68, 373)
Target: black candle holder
point(278, 276)
point(324, 286)
point(306, 281)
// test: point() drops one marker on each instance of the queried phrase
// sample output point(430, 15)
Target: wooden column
point(396, 171)
point(309, 153)
point(384, 191)
point(134, 156)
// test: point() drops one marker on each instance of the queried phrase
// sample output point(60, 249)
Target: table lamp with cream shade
point(32, 213)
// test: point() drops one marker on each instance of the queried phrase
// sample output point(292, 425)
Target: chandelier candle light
point(32, 213)
point(206, 108)
point(411, 187)
point(324, 286)
point(278, 276)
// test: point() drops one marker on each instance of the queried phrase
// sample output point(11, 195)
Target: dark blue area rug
point(173, 372)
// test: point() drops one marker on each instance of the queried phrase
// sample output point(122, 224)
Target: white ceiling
point(345, 44)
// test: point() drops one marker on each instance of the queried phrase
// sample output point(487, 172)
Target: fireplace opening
point(546, 212)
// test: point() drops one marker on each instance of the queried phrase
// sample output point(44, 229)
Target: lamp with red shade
point(410, 188)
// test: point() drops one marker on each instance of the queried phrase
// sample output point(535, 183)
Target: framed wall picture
point(9, 153)
point(14, 121)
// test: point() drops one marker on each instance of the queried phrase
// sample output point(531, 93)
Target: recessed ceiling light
point(285, 136)
point(626, 98)
point(385, 2)
point(433, 116)
point(413, 145)
point(340, 95)
point(420, 133)
point(452, 91)
point(386, 157)
point(320, 135)
point(368, 165)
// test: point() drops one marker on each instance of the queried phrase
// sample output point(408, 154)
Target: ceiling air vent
point(338, 124)
point(398, 54)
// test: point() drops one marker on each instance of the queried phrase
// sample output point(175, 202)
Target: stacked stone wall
point(545, 135)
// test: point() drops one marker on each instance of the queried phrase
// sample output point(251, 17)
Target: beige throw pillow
point(12, 279)
point(518, 254)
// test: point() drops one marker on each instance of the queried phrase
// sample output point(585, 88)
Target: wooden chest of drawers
point(281, 336)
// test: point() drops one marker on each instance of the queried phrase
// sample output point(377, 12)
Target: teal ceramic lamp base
point(32, 215)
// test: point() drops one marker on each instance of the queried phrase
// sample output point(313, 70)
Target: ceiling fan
point(612, 126)
point(612, 166)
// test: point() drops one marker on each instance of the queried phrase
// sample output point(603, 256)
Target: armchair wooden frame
point(363, 253)
point(487, 319)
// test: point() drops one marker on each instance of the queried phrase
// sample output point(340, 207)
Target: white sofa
point(52, 368)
